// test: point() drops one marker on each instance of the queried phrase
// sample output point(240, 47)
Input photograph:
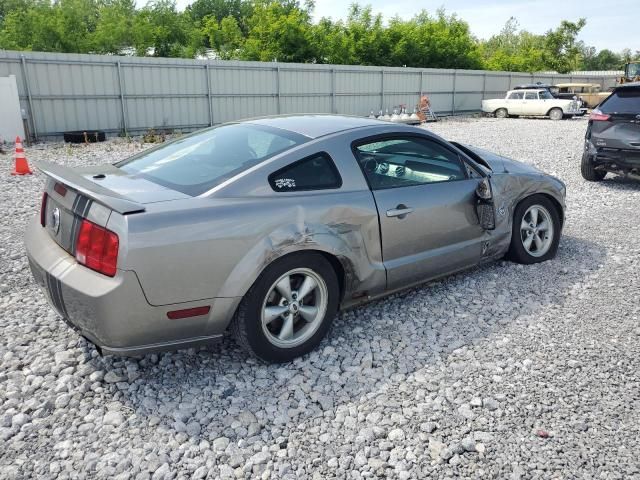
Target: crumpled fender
point(346, 242)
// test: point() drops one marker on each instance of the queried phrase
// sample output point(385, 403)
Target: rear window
point(624, 100)
point(200, 161)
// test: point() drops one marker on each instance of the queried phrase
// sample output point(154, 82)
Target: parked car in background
point(589, 94)
point(534, 102)
point(612, 141)
point(267, 227)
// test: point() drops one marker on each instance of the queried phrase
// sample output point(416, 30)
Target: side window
point(515, 96)
point(408, 161)
point(531, 96)
point(317, 172)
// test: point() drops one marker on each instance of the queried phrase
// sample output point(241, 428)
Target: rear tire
point(534, 238)
point(501, 113)
point(259, 329)
point(556, 114)
point(589, 172)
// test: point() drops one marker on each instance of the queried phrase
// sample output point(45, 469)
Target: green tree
point(282, 29)
point(513, 50)
point(627, 55)
point(366, 37)
point(8, 6)
point(224, 36)
point(561, 50)
point(160, 29)
point(64, 26)
point(279, 30)
point(602, 60)
point(440, 41)
point(115, 26)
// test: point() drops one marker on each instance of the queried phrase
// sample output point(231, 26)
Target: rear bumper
point(113, 313)
point(614, 159)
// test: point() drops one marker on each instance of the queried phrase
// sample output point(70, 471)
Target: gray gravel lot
point(504, 371)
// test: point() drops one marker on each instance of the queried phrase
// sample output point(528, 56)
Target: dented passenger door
point(427, 204)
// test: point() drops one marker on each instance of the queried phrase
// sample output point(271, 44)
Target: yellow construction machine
point(631, 73)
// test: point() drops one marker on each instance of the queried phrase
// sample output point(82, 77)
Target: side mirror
point(485, 206)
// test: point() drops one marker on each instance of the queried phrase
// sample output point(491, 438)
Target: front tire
point(556, 114)
point(289, 308)
point(588, 172)
point(535, 233)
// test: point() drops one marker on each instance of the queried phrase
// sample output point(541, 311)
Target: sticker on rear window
point(285, 183)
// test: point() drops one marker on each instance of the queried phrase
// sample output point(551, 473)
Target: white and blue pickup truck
point(534, 102)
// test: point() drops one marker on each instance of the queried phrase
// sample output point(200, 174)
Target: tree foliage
point(283, 30)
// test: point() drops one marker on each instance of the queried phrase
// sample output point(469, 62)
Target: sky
point(611, 24)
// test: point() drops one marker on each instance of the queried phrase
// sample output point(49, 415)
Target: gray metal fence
point(62, 92)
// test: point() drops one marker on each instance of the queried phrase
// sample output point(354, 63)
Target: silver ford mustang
point(268, 227)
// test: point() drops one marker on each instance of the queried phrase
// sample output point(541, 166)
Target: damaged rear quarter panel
point(221, 246)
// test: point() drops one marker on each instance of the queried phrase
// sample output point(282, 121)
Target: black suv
point(612, 142)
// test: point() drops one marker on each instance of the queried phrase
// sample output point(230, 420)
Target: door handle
point(400, 211)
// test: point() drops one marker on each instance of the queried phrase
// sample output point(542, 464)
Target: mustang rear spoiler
point(90, 189)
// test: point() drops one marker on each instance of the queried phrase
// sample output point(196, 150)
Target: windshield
point(545, 95)
point(633, 70)
point(200, 161)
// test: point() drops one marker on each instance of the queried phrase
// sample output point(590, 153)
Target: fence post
point(484, 85)
point(278, 88)
point(453, 95)
point(333, 91)
point(206, 72)
point(27, 88)
point(421, 84)
point(122, 109)
point(382, 89)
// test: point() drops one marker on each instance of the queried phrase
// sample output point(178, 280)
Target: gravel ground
point(504, 371)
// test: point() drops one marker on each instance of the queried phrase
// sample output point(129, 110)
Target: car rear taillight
point(97, 248)
point(43, 209)
point(598, 116)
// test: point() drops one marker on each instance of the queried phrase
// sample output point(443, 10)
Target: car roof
point(314, 126)
point(525, 86)
point(524, 90)
point(576, 85)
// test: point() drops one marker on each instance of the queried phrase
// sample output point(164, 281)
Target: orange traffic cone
point(22, 166)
